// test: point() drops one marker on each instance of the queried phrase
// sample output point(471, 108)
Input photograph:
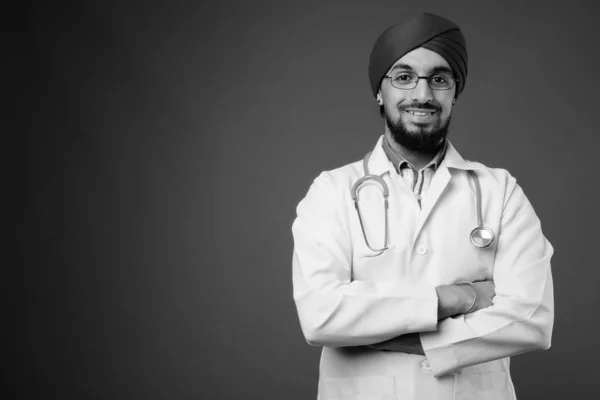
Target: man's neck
point(417, 158)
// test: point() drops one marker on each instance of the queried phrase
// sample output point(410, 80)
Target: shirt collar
point(400, 162)
point(379, 162)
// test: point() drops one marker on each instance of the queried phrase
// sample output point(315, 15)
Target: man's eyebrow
point(401, 66)
point(441, 68)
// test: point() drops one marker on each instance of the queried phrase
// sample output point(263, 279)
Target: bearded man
point(420, 273)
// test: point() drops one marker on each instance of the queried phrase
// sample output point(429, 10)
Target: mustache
point(423, 106)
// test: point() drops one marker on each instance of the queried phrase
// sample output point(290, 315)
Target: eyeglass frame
point(426, 77)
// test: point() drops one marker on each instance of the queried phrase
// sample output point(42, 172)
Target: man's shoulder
point(498, 174)
point(340, 176)
point(331, 186)
point(498, 181)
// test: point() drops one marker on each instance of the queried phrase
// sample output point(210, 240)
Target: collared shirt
point(417, 181)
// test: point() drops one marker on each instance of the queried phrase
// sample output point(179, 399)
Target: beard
point(424, 139)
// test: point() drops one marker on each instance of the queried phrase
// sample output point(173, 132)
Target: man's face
point(417, 118)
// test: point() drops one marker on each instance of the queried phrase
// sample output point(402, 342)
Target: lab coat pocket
point(495, 385)
point(358, 388)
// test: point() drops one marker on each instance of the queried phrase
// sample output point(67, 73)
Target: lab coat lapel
point(438, 185)
point(440, 182)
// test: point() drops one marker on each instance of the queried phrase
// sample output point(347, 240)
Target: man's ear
point(379, 100)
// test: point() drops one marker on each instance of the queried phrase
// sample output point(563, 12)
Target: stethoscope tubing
point(485, 234)
point(354, 194)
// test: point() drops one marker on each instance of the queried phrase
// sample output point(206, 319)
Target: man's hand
point(458, 299)
point(486, 290)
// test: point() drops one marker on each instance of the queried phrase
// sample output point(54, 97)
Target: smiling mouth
point(420, 113)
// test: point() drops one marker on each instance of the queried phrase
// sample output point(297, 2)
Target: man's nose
point(422, 92)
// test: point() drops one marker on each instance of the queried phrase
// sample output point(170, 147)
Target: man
point(428, 296)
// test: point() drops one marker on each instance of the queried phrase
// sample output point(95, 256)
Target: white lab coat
point(346, 297)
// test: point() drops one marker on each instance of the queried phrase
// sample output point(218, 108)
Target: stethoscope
point(480, 237)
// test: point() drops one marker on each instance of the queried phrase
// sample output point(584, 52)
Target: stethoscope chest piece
point(482, 237)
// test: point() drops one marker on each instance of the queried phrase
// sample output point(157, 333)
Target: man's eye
point(403, 78)
point(439, 79)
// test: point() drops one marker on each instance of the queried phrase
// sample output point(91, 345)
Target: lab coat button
point(426, 366)
point(422, 250)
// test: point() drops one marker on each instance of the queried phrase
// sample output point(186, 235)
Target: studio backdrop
point(167, 145)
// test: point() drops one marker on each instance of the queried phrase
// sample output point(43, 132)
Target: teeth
point(418, 113)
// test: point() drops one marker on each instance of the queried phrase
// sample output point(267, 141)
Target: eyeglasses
point(407, 80)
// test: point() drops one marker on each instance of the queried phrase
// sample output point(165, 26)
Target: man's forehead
point(421, 59)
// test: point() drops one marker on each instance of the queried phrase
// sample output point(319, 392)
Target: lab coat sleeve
point(522, 315)
point(335, 310)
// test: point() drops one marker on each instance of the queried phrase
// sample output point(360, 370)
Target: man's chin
point(422, 137)
point(420, 127)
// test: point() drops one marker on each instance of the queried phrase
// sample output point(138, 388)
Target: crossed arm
point(452, 300)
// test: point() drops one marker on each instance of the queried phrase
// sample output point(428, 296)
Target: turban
point(427, 30)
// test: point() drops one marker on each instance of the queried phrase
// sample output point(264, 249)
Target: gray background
point(165, 147)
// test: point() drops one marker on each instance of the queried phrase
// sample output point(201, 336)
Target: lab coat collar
point(380, 164)
point(454, 160)
point(378, 161)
